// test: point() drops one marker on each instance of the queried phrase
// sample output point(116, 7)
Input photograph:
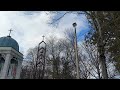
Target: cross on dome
point(10, 31)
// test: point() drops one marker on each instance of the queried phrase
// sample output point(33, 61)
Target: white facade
point(11, 63)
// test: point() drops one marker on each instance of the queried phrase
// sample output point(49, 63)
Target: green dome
point(9, 42)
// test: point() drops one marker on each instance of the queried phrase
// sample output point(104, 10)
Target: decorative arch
point(2, 61)
point(12, 68)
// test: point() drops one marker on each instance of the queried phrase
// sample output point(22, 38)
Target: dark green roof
point(9, 42)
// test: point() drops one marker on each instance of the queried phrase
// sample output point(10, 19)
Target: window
point(12, 69)
point(2, 61)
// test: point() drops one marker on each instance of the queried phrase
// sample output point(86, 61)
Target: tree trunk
point(101, 51)
point(103, 62)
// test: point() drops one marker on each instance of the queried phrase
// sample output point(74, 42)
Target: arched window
point(12, 69)
point(2, 61)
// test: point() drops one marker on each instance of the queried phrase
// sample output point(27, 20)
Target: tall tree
point(105, 33)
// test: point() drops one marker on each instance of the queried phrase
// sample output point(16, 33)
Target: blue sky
point(81, 34)
point(30, 26)
point(81, 31)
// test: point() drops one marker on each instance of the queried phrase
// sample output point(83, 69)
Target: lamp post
point(76, 52)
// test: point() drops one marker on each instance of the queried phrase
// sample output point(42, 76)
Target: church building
point(10, 58)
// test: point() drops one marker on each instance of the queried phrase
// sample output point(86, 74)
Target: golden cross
point(10, 31)
point(43, 37)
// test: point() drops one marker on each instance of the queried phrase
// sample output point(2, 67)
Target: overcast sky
point(29, 27)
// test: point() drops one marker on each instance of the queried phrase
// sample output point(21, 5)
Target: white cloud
point(30, 26)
